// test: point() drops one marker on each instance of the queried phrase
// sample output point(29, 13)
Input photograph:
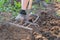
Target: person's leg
point(30, 4)
point(22, 13)
point(30, 14)
point(29, 8)
point(24, 4)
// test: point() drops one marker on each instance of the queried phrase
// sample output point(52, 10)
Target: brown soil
point(49, 29)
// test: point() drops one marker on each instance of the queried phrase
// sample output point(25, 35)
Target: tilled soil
point(8, 32)
point(49, 29)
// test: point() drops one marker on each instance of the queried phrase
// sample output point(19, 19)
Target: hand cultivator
point(27, 24)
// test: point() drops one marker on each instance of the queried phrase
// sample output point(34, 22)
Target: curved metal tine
point(20, 26)
point(30, 22)
point(28, 25)
point(33, 24)
point(24, 23)
point(27, 22)
point(36, 19)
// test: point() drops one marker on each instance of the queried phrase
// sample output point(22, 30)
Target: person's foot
point(44, 4)
point(18, 17)
point(21, 15)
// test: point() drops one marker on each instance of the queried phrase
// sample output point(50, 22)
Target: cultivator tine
point(36, 19)
point(36, 26)
point(21, 26)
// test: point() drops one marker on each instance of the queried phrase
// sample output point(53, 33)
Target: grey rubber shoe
point(22, 15)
